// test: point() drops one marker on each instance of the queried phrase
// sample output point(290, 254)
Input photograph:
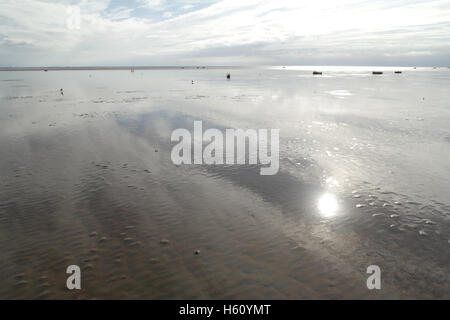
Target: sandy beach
point(86, 178)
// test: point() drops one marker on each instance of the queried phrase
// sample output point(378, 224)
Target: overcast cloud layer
point(226, 32)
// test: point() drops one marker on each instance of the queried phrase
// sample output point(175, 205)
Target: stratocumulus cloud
point(227, 32)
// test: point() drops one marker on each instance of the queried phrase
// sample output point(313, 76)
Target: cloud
point(152, 4)
point(233, 32)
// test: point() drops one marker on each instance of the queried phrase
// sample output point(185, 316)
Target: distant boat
point(397, 72)
point(377, 72)
point(317, 72)
point(45, 70)
point(132, 70)
point(228, 76)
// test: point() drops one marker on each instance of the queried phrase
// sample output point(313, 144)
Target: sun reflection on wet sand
point(328, 205)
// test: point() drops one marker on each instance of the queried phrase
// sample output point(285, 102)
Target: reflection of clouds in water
point(340, 93)
point(103, 157)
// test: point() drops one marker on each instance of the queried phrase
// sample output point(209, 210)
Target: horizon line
point(140, 67)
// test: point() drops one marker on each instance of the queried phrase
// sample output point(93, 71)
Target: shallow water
point(81, 183)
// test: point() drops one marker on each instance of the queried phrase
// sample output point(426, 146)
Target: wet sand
point(86, 179)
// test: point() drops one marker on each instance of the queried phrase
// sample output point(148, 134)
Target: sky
point(224, 32)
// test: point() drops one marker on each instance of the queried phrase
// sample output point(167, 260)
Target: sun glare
point(328, 205)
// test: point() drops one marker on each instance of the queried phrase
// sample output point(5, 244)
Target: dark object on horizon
point(132, 70)
point(228, 76)
point(415, 68)
point(377, 72)
point(45, 70)
point(317, 72)
point(61, 91)
point(197, 251)
point(398, 72)
point(192, 81)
